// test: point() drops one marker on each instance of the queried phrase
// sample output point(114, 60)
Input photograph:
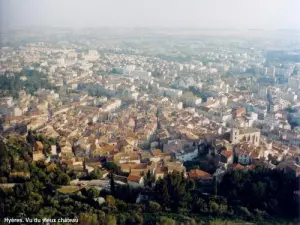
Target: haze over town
point(255, 14)
point(150, 112)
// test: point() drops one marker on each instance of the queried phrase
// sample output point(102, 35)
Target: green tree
point(165, 221)
point(149, 179)
point(191, 222)
point(5, 160)
point(92, 193)
point(95, 175)
point(258, 190)
point(200, 205)
point(30, 137)
point(121, 205)
point(88, 219)
point(112, 183)
point(122, 219)
point(213, 207)
point(134, 219)
point(63, 179)
point(191, 185)
point(101, 217)
point(243, 211)
point(161, 188)
point(46, 212)
point(110, 200)
point(215, 186)
point(154, 207)
point(111, 220)
point(112, 167)
point(34, 202)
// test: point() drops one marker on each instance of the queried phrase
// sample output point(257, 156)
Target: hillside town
point(218, 109)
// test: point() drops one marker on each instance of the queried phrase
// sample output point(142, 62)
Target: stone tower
point(234, 135)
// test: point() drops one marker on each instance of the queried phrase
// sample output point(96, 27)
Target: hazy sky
point(271, 14)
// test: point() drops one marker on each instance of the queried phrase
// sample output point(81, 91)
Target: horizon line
point(145, 27)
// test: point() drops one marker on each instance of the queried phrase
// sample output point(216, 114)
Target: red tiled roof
point(133, 166)
point(237, 167)
point(156, 152)
point(161, 170)
point(134, 178)
point(199, 174)
point(239, 111)
point(226, 153)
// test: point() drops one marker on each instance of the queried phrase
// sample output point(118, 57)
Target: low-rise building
point(135, 181)
point(226, 157)
point(200, 175)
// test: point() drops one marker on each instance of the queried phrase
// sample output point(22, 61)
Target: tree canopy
point(258, 196)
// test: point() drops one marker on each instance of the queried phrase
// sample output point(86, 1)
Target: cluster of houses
point(146, 114)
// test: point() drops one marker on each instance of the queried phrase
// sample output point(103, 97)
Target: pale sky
point(254, 14)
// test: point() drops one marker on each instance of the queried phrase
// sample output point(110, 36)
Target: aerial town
point(151, 106)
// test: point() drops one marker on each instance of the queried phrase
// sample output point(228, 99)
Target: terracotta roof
point(135, 173)
point(140, 166)
point(226, 153)
point(108, 148)
point(237, 167)
point(161, 170)
point(133, 166)
point(255, 154)
point(124, 166)
point(134, 178)
point(199, 174)
point(156, 152)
